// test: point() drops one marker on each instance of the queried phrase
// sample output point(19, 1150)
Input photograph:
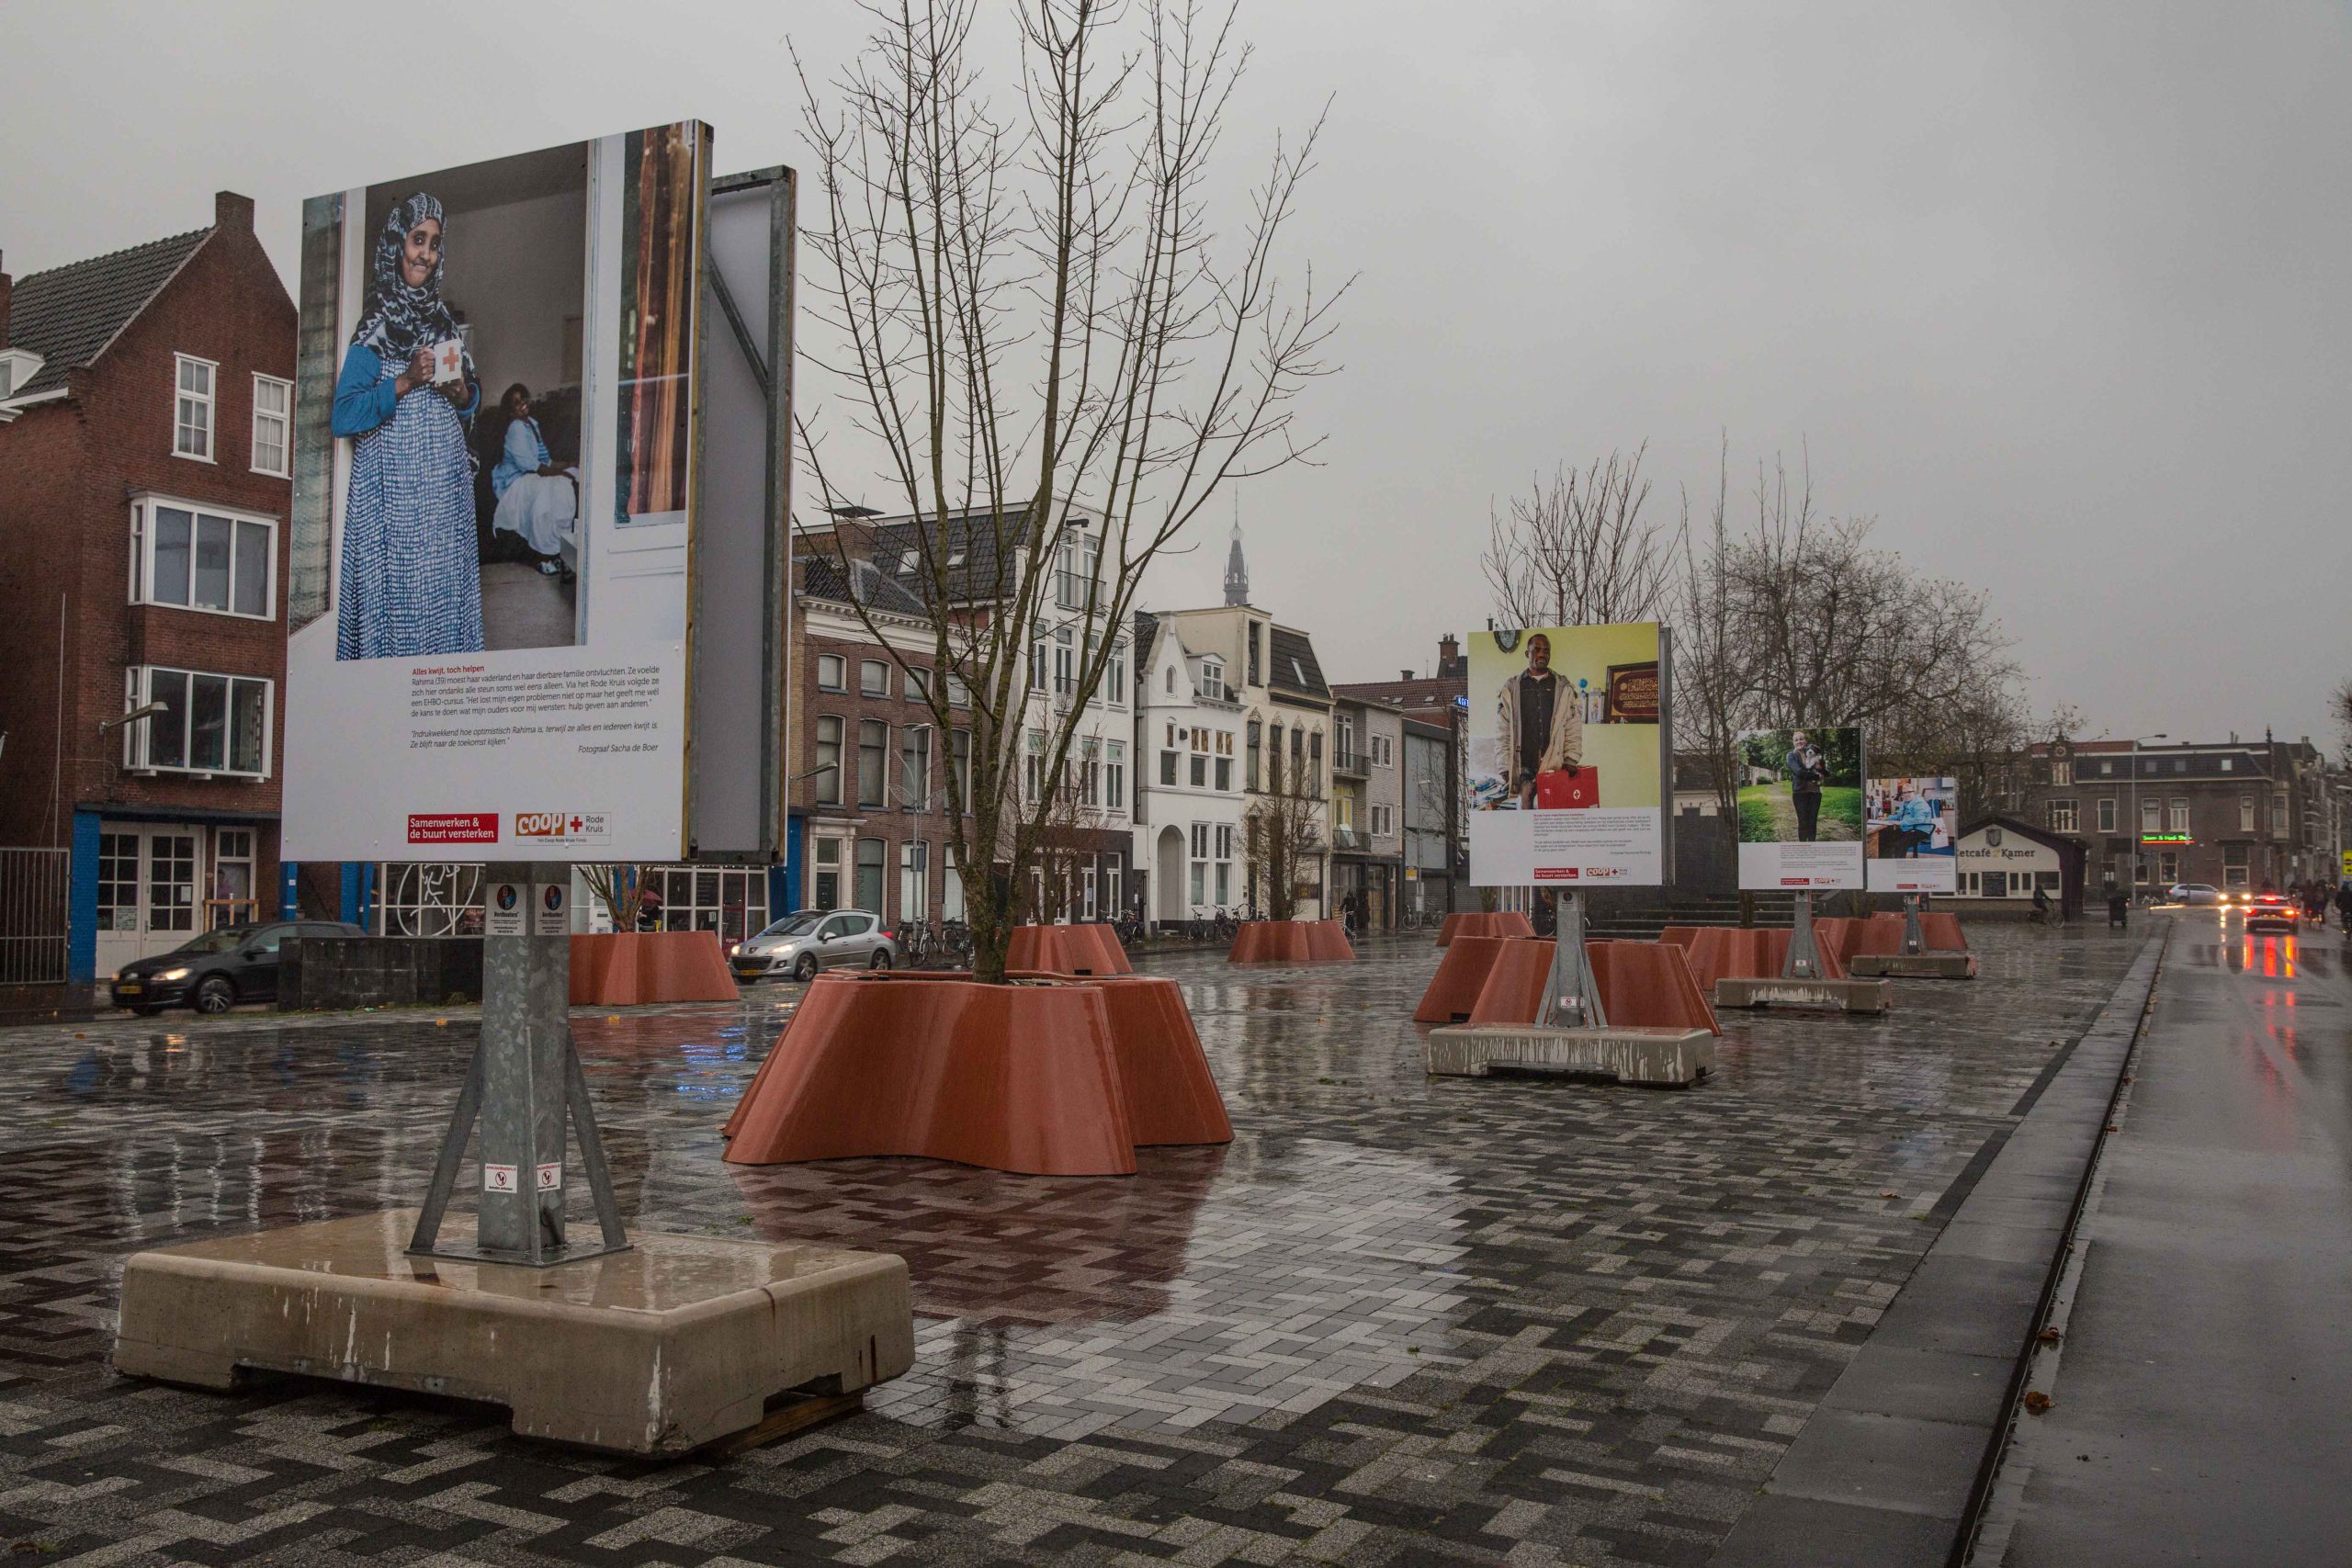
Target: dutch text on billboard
point(493, 508)
point(1798, 798)
point(1565, 756)
point(1913, 831)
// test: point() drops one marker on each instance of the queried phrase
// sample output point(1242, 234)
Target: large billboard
point(1566, 756)
point(1799, 803)
point(1913, 834)
point(494, 507)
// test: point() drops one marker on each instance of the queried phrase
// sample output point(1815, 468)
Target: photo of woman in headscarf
point(411, 577)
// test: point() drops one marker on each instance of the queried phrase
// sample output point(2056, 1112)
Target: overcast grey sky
point(2055, 292)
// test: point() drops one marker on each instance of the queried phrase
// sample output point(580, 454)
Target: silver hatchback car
point(799, 944)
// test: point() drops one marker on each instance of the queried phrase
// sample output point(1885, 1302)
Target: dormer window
point(1212, 680)
point(18, 367)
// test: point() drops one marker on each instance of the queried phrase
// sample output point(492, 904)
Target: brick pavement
point(1397, 1321)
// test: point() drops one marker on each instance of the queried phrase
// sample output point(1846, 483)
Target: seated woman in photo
point(537, 501)
point(410, 579)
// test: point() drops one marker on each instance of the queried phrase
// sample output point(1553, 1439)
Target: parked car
point(2200, 893)
point(799, 944)
point(218, 970)
point(2274, 912)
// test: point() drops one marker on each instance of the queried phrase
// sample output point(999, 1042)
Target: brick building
point(146, 402)
point(2234, 814)
point(869, 829)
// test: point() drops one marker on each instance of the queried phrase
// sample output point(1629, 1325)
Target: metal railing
point(33, 883)
point(1353, 763)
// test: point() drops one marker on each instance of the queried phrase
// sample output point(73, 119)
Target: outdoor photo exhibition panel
point(493, 506)
point(1912, 833)
point(1799, 808)
point(1566, 759)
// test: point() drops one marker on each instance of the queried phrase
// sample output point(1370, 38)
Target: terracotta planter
point(1066, 950)
point(1478, 923)
point(1290, 942)
point(1020, 1079)
point(1063, 1078)
point(622, 968)
point(1171, 1096)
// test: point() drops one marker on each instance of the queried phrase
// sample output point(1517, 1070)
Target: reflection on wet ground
point(1398, 1319)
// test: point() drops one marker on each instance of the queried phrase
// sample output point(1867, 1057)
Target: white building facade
point(1189, 794)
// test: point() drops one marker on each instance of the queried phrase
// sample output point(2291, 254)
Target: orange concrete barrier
point(1171, 1095)
point(1290, 941)
point(1514, 990)
point(1680, 936)
point(1066, 950)
point(1460, 975)
point(1940, 933)
point(620, 968)
point(1022, 1079)
point(1840, 937)
point(1649, 984)
point(1726, 953)
point(1478, 923)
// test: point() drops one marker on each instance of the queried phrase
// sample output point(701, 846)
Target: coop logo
point(1603, 873)
point(560, 827)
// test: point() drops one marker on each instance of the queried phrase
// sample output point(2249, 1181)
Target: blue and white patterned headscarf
point(398, 320)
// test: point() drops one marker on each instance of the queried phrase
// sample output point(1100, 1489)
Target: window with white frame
point(914, 880)
point(205, 723)
point(2245, 814)
point(832, 673)
point(192, 408)
point(873, 678)
point(2150, 815)
point(1115, 681)
point(2278, 815)
point(2178, 823)
point(273, 426)
point(1115, 775)
point(1213, 679)
point(2107, 814)
point(194, 557)
point(1065, 658)
point(2061, 815)
point(914, 768)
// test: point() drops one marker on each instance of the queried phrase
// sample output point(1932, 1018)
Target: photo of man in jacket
point(1539, 720)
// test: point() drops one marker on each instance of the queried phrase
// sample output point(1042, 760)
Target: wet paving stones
point(1399, 1321)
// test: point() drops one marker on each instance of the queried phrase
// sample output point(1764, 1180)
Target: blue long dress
point(411, 569)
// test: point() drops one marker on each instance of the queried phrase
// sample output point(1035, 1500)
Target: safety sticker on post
point(499, 1179)
point(551, 1176)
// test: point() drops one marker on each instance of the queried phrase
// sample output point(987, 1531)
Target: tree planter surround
point(1066, 950)
point(1046, 1076)
point(1479, 923)
point(623, 968)
point(1291, 942)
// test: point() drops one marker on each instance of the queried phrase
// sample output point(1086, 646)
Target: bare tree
point(1712, 682)
point(1282, 835)
point(1057, 355)
point(622, 889)
point(1065, 840)
point(1575, 550)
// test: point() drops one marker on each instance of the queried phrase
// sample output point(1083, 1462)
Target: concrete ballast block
point(1678, 1057)
point(1917, 965)
point(1832, 996)
point(680, 1340)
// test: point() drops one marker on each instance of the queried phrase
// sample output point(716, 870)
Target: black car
point(218, 970)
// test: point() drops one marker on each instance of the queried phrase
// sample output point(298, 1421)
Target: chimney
point(1447, 648)
point(1404, 674)
point(232, 213)
point(6, 284)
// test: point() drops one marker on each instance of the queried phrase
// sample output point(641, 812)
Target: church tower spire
point(1237, 571)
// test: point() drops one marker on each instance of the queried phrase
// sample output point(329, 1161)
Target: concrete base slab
point(1678, 1057)
point(1833, 995)
point(1915, 965)
point(680, 1340)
